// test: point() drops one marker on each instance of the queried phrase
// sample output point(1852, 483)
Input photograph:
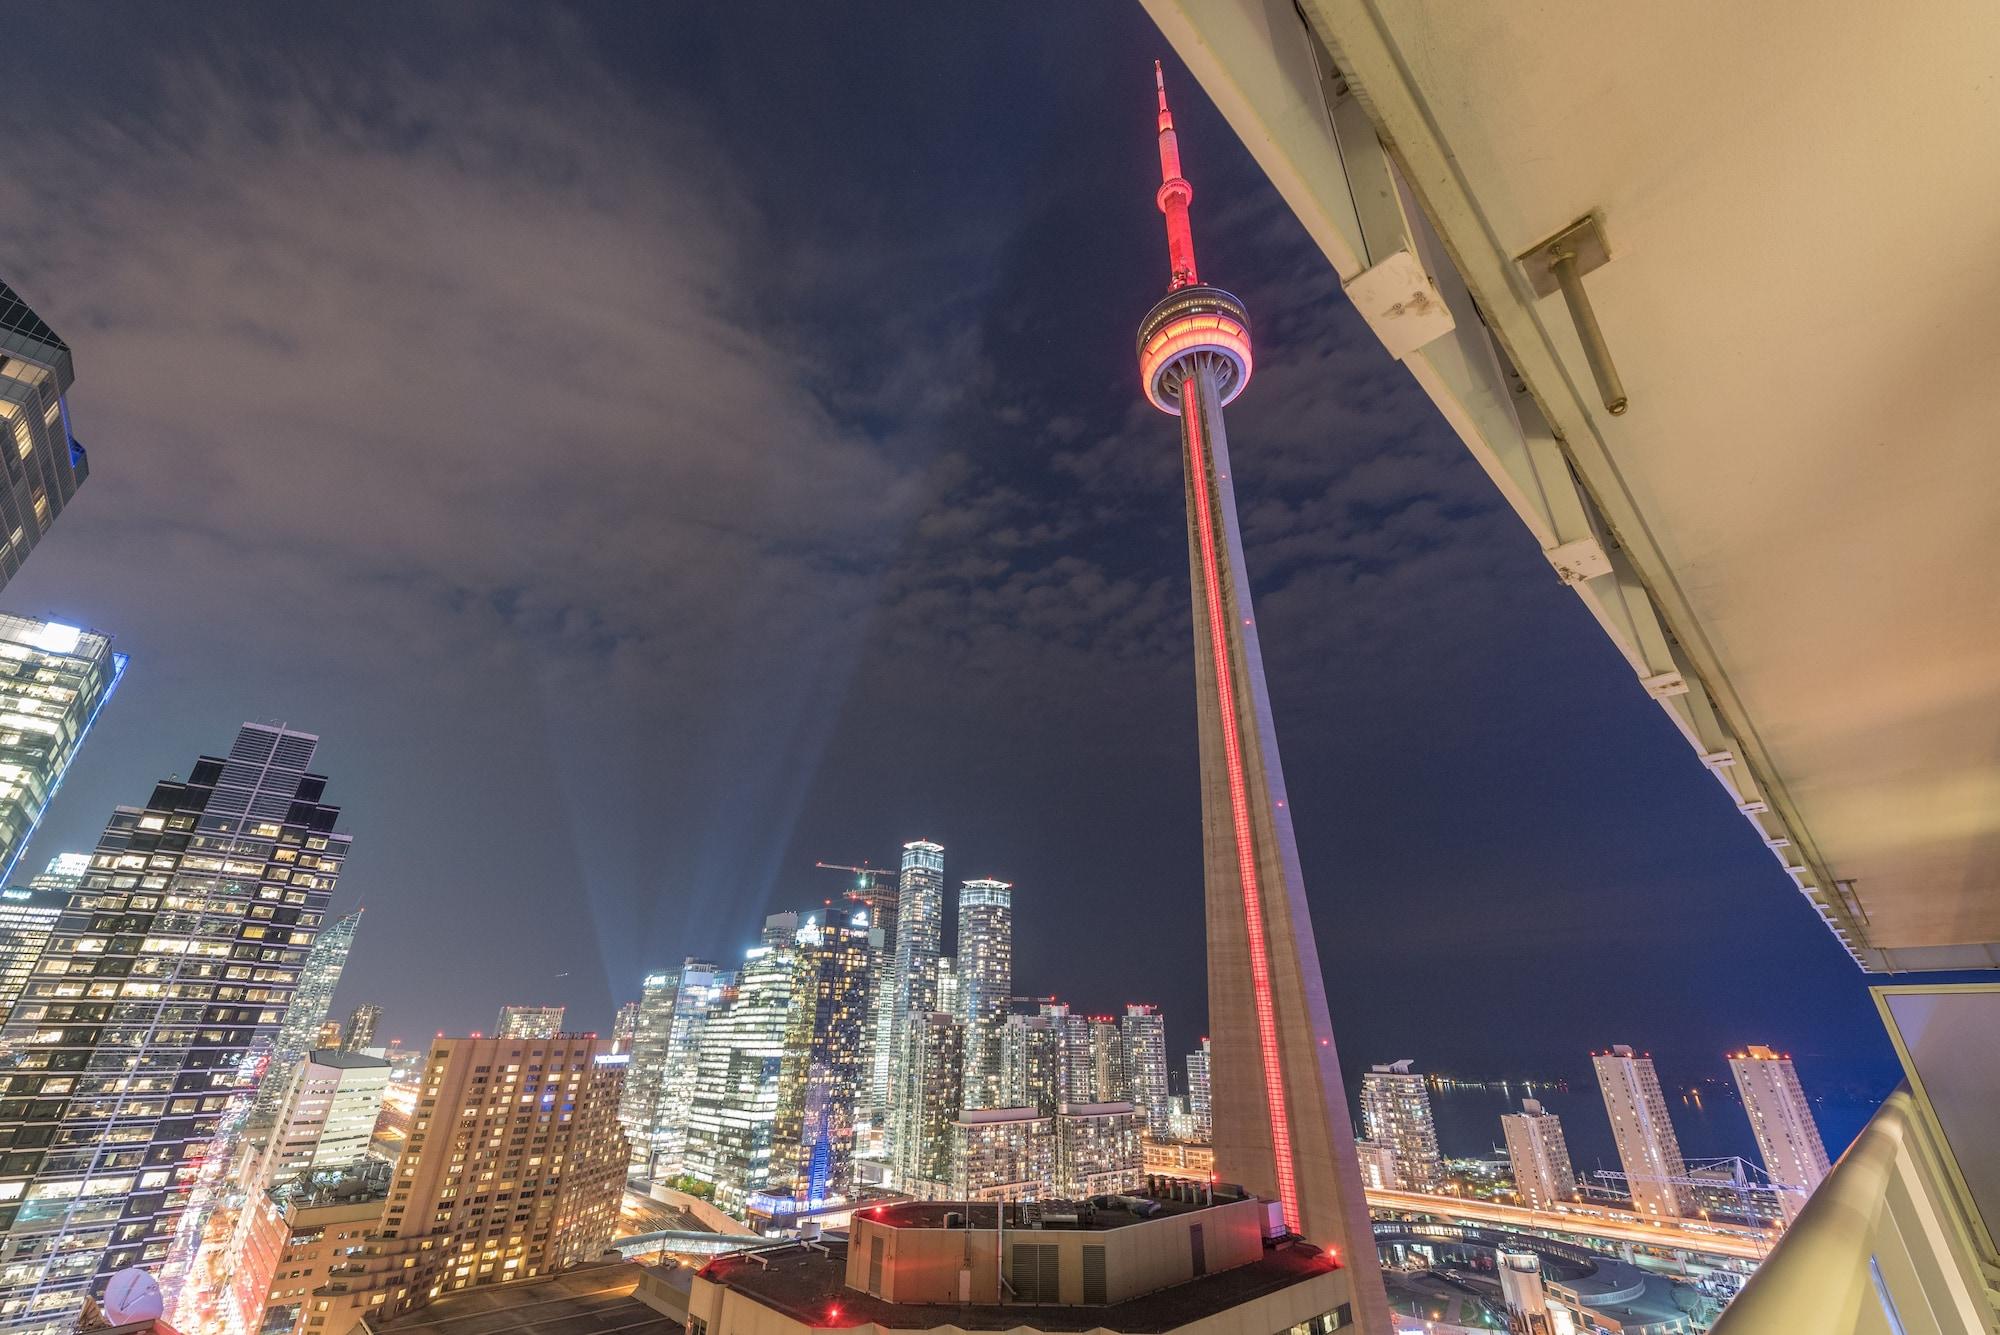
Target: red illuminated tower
point(1280, 1112)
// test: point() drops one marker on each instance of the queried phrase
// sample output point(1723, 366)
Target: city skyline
point(784, 806)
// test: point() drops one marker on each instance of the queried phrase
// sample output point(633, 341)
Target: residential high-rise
point(624, 1027)
point(362, 1023)
point(329, 1117)
point(1076, 1070)
point(53, 680)
point(1003, 1154)
point(529, 1022)
point(1539, 1155)
point(822, 1077)
point(647, 1068)
point(515, 1167)
point(702, 989)
point(202, 909)
point(1378, 1166)
point(45, 464)
point(1099, 1150)
point(305, 1019)
point(1396, 1112)
point(985, 982)
point(1647, 1145)
point(932, 1098)
point(1280, 1111)
point(919, 941)
point(1787, 1137)
point(1031, 1063)
point(732, 1117)
point(65, 872)
point(947, 986)
point(1198, 1094)
point(876, 892)
point(26, 919)
point(1107, 1063)
point(1142, 1038)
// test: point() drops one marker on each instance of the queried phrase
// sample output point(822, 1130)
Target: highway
point(1731, 1240)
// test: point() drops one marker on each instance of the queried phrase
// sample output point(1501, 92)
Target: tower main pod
point(1281, 1125)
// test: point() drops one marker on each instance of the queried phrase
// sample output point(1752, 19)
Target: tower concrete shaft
point(1281, 1121)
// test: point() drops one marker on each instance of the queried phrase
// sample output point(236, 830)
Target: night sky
point(660, 447)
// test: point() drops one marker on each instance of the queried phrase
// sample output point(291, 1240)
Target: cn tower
point(1281, 1125)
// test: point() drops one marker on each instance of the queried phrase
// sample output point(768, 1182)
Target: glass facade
point(732, 1118)
point(702, 989)
point(823, 1075)
point(43, 462)
point(985, 984)
point(305, 1019)
point(919, 941)
point(53, 680)
point(26, 918)
point(649, 1055)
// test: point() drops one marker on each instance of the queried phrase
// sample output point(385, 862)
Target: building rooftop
point(341, 1060)
point(809, 1285)
point(1099, 1213)
point(590, 1300)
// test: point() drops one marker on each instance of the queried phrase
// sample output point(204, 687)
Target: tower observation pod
point(1281, 1124)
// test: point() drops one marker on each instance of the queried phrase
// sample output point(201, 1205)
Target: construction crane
point(875, 890)
point(864, 870)
point(1743, 1179)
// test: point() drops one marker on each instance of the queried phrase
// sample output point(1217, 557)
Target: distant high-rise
point(947, 986)
point(1198, 1096)
point(647, 1068)
point(1076, 1071)
point(529, 1022)
point(305, 1021)
point(45, 464)
point(362, 1023)
point(1539, 1155)
point(1396, 1112)
point(919, 941)
point(624, 1027)
point(932, 1098)
point(331, 1035)
point(702, 990)
point(985, 982)
point(876, 892)
point(1031, 1063)
point(26, 918)
point(1142, 1035)
point(138, 1106)
point(1647, 1145)
point(329, 1115)
point(1378, 1166)
point(546, 1115)
point(823, 1077)
point(732, 1118)
point(1107, 1063)
point(65, 872)
point(53, 680)
point(1787, 1138)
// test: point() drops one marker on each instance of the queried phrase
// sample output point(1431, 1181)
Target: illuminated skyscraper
point(932, 1100)
point(1647, 1145)
point(1142, 1035)
point(329, 1115)
point(201, 909)
point(1280, 1111)
point(1396, 1111)
point(1076, 1072)
point(1787, 1137)
point(822, 1077)
point(1099, 1150)
point(53, 680)
point(1031, 1063)
point(529, 1022)
point(305, 1018)
point(65, 872)
point(985, 982)
point(702, 990)
point(876, 892)
point(362, 1023)
point(45, 464)
point(1198, 1095)
point(624, 1027)
point(1539, 1155)
point(919, 940)
point(647, 1068)
point(1107, 1063)
point(26, 919)
point(732, 1119)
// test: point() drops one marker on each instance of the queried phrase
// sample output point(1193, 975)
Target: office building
point(985, 974)
point(732, 1117)
point(515, 1167)
point(701, 990)
point(823, 1079)
point(26, 919)
point(201, 908)
point(1280, 1112)
point(1198, 1096)
point(1647, 1145)
point(646, 1070)
point(1543, 1174)
point(1165, 1265)
point(1142, 1040)
point(1099, 1149)
point(919, 941)
point(1378, 1166)
point(529, 1022)
point(875, 891)
point(932, 1098)
point(45, 463)
point(1031, 1063)
point(1396, 1112)
point(363, 1022)
point(305, 1024)
point(53, 680)
point(65, 872)
point(1787, 1137)
point(625, 1027)
point(330, 1116)
point(1003, 1154)
point(1107, 1062)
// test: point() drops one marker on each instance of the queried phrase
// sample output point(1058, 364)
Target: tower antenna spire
point(1175, 193)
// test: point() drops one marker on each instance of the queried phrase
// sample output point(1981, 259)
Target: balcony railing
point(1884, 1247)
